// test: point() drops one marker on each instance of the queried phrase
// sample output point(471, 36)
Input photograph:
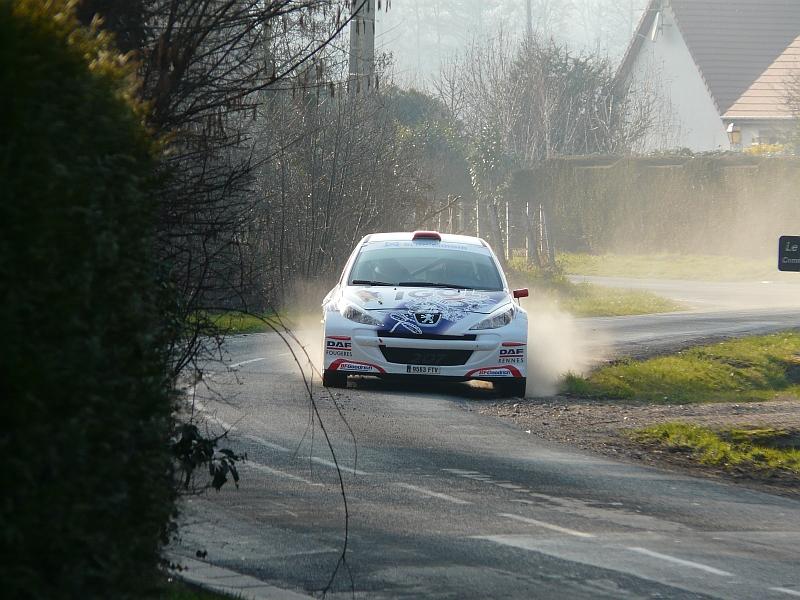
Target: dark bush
point(87, 482)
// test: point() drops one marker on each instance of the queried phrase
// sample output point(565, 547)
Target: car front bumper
point(488, 355)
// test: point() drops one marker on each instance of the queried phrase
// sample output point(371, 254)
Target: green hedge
point(87, 489)
point(725, 205)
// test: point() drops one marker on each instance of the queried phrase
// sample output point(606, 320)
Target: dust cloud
point(557, 345)
point(302, 316)
point(307, 329)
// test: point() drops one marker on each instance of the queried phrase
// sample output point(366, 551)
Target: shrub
point(88, 482)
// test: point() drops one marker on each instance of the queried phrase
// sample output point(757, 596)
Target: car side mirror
point(523, 293)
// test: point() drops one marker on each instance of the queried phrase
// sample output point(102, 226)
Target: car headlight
point(498, 319)
point(348, 311)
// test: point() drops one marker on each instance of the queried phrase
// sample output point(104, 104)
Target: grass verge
point(237, 323)
point(584, 299)
point(747, 449)
point(751, 369)
point(669, 266)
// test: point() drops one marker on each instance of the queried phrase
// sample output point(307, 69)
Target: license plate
point(421, 370)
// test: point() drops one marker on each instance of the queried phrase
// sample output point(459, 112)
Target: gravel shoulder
point(601, 427)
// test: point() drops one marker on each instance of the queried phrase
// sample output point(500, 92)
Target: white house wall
point(686, 114)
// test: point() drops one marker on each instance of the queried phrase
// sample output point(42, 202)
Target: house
point(709, 68)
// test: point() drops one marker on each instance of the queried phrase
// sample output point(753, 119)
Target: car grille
point(425, 356)
point(425, 336)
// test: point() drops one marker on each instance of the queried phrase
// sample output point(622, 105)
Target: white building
point(712, 66)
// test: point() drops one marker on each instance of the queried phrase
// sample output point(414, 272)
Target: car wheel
point(514, 388)
point(334, 379)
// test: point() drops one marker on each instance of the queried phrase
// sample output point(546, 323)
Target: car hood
point(447, 302)
point(411, 312)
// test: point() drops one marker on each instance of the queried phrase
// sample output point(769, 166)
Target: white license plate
point(421, 370)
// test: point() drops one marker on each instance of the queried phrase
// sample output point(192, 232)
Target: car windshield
point(426, 266)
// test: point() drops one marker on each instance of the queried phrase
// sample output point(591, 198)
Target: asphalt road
point(447, 503)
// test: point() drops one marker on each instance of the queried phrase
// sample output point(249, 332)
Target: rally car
point(425, 304)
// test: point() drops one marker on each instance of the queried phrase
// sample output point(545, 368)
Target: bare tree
point(527, 102)
point(449, 88)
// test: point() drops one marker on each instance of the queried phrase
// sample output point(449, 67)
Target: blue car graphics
point(436, 311)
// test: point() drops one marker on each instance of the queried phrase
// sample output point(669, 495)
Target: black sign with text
point(789, 253)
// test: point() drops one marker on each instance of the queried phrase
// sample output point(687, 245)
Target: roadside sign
point(789, 253)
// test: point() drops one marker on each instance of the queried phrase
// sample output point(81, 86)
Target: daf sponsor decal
point(420, 370)
point(334, 344)
point(338, 346)
point(512, 352)
point(512, 356)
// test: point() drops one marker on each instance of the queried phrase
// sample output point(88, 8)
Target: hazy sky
point(420, 33)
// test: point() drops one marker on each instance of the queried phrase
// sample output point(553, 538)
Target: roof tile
point(733, 42)
point(769, 95)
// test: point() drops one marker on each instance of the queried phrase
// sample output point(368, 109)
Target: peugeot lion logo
point(427, 318)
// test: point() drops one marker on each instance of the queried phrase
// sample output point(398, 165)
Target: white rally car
point(425, 304)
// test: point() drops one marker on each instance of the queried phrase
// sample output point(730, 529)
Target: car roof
point(407, 236)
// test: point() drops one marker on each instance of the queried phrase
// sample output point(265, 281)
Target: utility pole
point(362, 46)
point(529, 19)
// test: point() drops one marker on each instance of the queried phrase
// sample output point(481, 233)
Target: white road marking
point(332, 465)
point(511, 486)
point(544, 525)
point(431, 493)
point(680, 561)
point(263, 442)
point(235, 366)
point(228, 427)
point(787, 591)
point(320, 461)
point(224, 424)
point(284, 474)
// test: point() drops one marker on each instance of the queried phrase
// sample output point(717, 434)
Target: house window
point(768, 136)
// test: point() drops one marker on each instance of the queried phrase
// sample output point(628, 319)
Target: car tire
point(334, 379)
point(514, 388)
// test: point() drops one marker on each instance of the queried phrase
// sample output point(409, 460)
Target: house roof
point(768, 97)
point(639, 38)
point(732, 42)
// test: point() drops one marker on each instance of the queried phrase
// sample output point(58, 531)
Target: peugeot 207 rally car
point(425, 304)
